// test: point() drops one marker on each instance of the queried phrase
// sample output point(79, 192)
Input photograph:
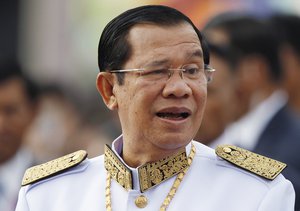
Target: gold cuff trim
point(255, 163)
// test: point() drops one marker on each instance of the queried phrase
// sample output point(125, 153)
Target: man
point(289, 26)
point(154, 73)
point(17, 110)
point(220, 105)
point(266, 124)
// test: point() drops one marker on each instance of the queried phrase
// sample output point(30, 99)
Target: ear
point(105, 84)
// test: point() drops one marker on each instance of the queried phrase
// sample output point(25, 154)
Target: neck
point(261, 95)
point(294, 102)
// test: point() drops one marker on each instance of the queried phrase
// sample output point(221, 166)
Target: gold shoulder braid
point(150, 174)
point(255, 163)
point(51, 168)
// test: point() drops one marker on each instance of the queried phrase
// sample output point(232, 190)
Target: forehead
point(12, 90)
point(148, 41)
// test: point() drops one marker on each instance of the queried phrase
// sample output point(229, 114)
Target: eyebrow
point(189, 55)
point(196, 53)
point(157, 63)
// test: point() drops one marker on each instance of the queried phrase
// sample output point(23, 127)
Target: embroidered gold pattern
point(151, 174)
point(255, 163)
point(117, 170)
point(39, 172)
point(143, 171)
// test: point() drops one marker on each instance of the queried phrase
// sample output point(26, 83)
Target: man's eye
point(154, 72)
point(192, 71)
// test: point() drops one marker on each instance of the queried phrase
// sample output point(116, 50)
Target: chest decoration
point(150, 174)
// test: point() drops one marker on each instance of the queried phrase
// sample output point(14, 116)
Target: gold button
point(141, 201)
point(227, 150)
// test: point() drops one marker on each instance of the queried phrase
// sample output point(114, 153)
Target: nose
point(172, 71)
point(176, 86)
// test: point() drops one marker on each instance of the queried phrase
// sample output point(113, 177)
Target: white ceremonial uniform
point(210, 184)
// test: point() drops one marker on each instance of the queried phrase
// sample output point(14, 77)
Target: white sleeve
point(280, 197)
point(22, 202)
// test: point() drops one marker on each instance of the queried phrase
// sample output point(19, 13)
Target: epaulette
point(255, 163)
point(53, 167)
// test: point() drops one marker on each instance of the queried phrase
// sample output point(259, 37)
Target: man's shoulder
point(241, 163)
point(60, 168)
point(257, 164)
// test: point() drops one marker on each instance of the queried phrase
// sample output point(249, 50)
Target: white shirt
point(211, 184)
point(246, 131)
point(11, 173)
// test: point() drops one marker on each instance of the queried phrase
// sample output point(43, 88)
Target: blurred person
point(288, 26)
point(265, 125)
point(220, 105)
point(154, 72)
point(18, 105)
point(60, 127)
point(217, 31)
point(56, 121)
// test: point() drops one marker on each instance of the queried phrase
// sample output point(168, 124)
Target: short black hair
point(12, 69)
point(114, 49)
point(288, 27)
point(224, 51)
point(249, 35)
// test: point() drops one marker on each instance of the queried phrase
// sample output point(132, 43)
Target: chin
point(174, 142)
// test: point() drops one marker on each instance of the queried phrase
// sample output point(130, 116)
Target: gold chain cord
point(171, 193)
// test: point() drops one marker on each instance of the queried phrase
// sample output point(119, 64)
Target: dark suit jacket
point(281, 141)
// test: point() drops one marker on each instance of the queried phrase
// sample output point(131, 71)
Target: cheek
point(201, 96)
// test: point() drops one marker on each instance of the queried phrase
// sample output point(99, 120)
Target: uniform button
point(227, 150)
point(141, 201)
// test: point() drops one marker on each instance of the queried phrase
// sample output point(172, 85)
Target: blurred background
point(55, 42)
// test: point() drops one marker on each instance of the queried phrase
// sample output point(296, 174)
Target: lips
point(174, 113)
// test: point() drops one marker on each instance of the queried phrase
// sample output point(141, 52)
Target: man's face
point(220, 105)
point(15, 115)
point(164, 115)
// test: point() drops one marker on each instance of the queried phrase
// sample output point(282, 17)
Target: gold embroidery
point(143, 171)
point(258, 164)
point(151, 174)
point(39, 172)
point(117, 170)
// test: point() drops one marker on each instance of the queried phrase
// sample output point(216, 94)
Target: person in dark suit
point(266, 124)
point(288, 27)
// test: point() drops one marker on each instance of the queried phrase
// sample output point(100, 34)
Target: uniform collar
point(145, 176)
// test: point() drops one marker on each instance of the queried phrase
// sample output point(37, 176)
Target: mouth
point(174, 114)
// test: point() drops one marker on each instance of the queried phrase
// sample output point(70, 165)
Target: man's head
point(288, 27)
point(17, 108)
point(114, 48)
point(158, 111)
point(220, 106)
point(256, 63)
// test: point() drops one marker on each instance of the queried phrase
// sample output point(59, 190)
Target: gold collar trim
point(150, 174)
point(117, 170)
